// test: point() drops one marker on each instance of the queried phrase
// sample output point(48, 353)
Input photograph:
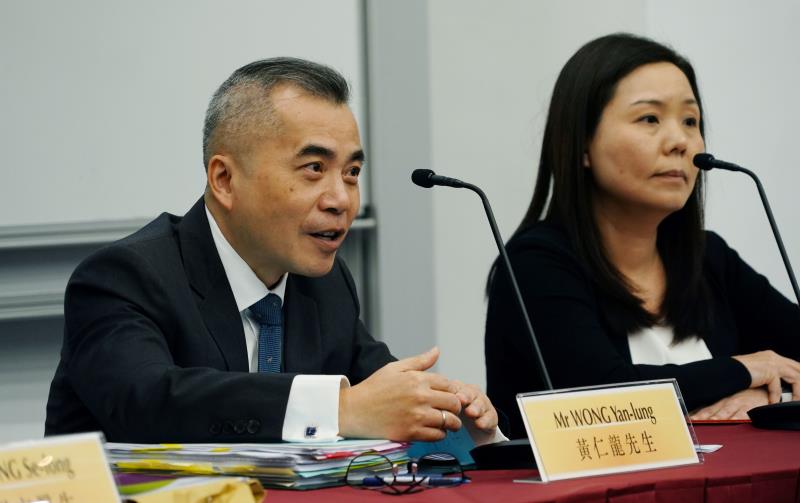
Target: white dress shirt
point(313, 405)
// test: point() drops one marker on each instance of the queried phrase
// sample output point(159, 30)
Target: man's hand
point(734, 406)
point(476, 406)
point(401, 402)
point(768, 368)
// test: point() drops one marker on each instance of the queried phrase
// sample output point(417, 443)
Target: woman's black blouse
point(579, 346)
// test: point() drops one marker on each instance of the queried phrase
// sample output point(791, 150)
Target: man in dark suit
point(236, 322)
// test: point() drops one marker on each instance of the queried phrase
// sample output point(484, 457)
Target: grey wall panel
point(399, 129)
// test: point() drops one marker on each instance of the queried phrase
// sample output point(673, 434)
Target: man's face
point(296, 192)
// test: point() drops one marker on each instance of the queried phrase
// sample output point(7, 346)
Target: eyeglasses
point(377, 472)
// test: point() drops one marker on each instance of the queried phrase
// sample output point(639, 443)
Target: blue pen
point(372, 481)
point(444, 482)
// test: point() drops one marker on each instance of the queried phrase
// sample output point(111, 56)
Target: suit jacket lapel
point(302, 338)
point(213, 292)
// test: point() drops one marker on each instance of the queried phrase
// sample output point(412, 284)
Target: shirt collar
point(247, 288)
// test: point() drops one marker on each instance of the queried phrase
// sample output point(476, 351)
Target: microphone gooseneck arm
point(428, 176)
point(707, 162)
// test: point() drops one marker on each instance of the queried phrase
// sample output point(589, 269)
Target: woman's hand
point(734, 406)
point(768, 368)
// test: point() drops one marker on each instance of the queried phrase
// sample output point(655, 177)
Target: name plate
point(599, 430)
point(64, 469)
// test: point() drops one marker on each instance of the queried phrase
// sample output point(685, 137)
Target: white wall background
point(745, 54)
point(103, 101)
point(492, 68)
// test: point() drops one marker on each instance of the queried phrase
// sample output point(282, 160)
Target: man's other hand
point(401, 401)
point(476, 406)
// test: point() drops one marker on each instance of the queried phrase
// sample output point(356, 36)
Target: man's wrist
point(348, 418)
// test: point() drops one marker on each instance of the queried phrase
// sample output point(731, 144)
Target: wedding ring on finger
point(444, 419)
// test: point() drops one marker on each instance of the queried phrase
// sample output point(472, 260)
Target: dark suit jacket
point(154, 349)
point(574, 325)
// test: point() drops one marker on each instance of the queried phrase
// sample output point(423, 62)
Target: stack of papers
point(306, 465)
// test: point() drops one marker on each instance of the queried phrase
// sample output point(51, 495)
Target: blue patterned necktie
point(267, 312)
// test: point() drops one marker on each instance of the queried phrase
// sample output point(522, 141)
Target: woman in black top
point(612, 257)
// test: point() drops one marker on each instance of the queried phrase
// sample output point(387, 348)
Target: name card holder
point(600, 430)
point(62, 469)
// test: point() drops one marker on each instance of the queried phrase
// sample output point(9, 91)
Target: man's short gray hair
point(241, 104)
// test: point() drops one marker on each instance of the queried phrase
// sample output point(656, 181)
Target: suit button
point(253, 426)
point(215, 429)
point(240, 427)
point(227, 427)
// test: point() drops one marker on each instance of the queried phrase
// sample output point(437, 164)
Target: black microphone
point(707, 162)
point(512, 453)
point(427, 179)
point(782, 416)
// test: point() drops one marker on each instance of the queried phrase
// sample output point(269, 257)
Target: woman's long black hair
point(564, 187)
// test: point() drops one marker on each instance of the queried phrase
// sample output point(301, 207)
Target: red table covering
point(753, 465)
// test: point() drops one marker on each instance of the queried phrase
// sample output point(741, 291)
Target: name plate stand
point(600, 430)
point(63, 469)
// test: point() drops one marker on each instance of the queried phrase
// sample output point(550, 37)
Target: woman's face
point(641, 153)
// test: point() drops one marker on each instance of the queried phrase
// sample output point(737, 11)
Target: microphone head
point(422, 177)
point(704, 161)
